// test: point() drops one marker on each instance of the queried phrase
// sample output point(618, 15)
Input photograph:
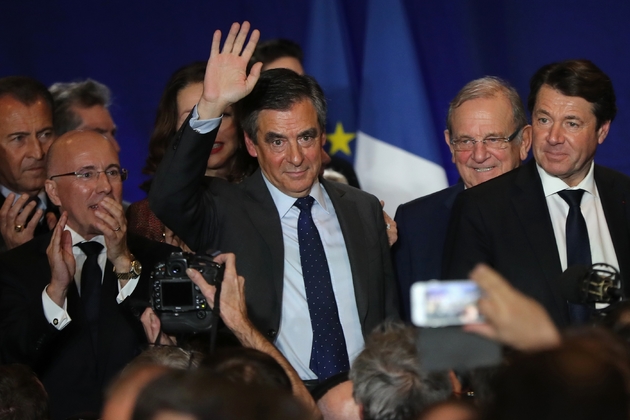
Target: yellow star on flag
point(339, 140)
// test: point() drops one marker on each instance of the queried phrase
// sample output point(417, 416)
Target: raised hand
point(226, 80)
point(61, 261)
point(113, 225)
point(13, 217)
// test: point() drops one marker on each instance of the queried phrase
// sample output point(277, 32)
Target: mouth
point(484, 169)
point(216, 148)
point(93, 207)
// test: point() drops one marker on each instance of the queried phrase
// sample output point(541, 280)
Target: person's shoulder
point(605, 173)
point(144, 248)
point(430, 200)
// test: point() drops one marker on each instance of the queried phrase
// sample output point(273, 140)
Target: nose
point(555, 134)
point(295, 155)
point(35, 148)
point(103, 185)
point(480, 152)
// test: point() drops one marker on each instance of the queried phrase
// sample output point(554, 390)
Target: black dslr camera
point(177, 301)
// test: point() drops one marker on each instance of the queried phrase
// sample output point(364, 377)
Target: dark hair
point(205, 396)
point(273, 49)
point(165, 125)
point(26, 90)
point(579, 78)
point(280, 89)
point(85, 94)
point(22, 396)
point(247, 365)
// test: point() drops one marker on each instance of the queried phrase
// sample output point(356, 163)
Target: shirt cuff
point(126, 291)
point(203, 126)
point(56, 315)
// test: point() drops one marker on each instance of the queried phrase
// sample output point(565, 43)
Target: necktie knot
point(572, 197)
point(304, 203)
point(90, 248)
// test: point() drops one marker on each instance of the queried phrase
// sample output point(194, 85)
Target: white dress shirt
point(295, 337)
point(58, 315)
point(602, 249)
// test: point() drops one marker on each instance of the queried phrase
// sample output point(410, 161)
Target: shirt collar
point(77, 239)
point(284, 202)
point(553, 184)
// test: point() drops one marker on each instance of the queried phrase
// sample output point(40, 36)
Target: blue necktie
point(91, 278)
point(578, 246)
point(329, 354)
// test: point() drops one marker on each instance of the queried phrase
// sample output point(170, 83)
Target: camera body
point(178, 302)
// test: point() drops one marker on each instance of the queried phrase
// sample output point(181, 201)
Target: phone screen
point(441, 303)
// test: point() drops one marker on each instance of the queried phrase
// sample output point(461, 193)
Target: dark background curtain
point(134, 46)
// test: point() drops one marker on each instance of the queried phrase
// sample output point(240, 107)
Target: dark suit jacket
point(505, 222)
point(42, 228)
point(422, 226)
point(72, 371)
point(243, 219)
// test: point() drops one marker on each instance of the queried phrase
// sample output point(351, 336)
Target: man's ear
point(447, 138)
point(51, 190)
point(526, 141)
point(603, 132)
point(251, 147)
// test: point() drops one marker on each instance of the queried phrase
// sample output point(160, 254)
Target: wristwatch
point(134, 271)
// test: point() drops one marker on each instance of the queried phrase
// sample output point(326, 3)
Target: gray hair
point(489, 87)
point(85, 94)
point(388, 378)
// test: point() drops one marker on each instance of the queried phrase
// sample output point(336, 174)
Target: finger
point(229, 40)
point(51, 220)
point(488, 279)
point(6, 206)
point(206, 289)
point(382, 204)
point(240, 38)
point(216, 44)
point(253, 76)
point(251, 45)
point(20, 210)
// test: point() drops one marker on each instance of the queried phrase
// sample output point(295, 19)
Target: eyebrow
point(271, 136)
point(312, 132)
point(90, 167)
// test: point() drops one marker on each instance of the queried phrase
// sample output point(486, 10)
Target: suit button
point(272, 333)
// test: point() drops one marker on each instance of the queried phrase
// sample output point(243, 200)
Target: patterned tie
point(91, 278)
point(578, 246)
point(329, 355)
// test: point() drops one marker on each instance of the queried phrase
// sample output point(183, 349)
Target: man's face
point(26, 132)
point(480, 118)
point(99, 119)
point(78, 151)
point(289, 148)
point(565, 134)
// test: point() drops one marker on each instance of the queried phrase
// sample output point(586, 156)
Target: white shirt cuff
point(56, 315)
point(203, 126)
point(126, 291)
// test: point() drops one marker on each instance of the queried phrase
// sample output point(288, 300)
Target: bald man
point(66, 297)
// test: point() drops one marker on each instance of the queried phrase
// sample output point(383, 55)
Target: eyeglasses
point(465, 144)
point(113, 174)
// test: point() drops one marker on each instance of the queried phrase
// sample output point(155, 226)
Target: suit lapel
point(263, 213)
point(354, 237)
point(613, 200)
point(531, 208)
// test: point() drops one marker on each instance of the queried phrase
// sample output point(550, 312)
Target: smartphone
point(441, 303)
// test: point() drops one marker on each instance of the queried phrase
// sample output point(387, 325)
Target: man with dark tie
point(558, 210)
point(26, 132)
point(66, 297)
point(314, 253)
point(485, 133)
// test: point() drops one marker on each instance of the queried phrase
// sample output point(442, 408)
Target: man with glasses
point(66, 297)
point(488, 135)
point(560, 209)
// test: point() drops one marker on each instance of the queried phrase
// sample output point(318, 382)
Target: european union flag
point(328, 58)
point(398, 157)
